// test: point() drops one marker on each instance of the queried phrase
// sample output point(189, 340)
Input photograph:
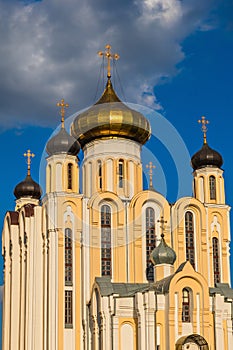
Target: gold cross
point(29, 155)
point(162, 222)
point(203, 121)
point(63, 106)
point(109, 56)
point(150, 166)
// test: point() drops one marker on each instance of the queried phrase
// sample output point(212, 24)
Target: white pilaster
point(15, 288)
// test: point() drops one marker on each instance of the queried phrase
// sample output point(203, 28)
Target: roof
point(106, 287)
point(222, 289)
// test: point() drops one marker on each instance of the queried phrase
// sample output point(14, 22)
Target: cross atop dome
point(162, 222)
point(29, 155)
point(63, 106)
point(110, 56)
point(203, 121)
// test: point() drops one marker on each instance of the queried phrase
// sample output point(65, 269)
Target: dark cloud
point(48, 51)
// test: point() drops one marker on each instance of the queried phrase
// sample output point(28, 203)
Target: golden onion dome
point(109, 117)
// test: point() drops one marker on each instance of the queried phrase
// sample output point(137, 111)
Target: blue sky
point(176, 57)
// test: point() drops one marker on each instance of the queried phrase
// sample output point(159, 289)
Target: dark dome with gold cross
point(109, 116)
point(206, 156)
point(28, 187)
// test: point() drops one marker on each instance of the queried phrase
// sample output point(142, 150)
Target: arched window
point(99, 171)
point(106, 254)
point(68, 257)
point(186, 312)
point(150, 242)
point(212, 184)
point(189, 238)
point(121, 172)
point(216, 260)
point(69, 176)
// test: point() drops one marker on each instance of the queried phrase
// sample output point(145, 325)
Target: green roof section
point(223, 289)
point(106, 287)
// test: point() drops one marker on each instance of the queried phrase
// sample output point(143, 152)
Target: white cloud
point(168, 12)
point(48, 51)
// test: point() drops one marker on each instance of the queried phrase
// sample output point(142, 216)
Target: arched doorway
point(192, 342)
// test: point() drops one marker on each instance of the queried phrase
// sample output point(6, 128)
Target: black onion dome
point(206, 156)
point(62, 143)
point(163, 254)
point(28, 188)
point(109, 117)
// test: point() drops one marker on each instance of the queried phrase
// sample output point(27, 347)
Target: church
point(110, 265)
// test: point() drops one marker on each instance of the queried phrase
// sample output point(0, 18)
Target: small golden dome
point(109, 117)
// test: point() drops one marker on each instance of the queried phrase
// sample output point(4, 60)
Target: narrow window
point(99, 175)
point(106, 259)
point(121, 172)
point(150, 242)
point(68, 309)
point(68, 257)
point(212, 184)
point(186, 305)
point(69, 176)
point(216, 260)
point(189, 238)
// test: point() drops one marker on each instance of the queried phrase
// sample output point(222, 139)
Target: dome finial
point(162, 222)
point(109, 56)
point(29, 155)
point(150, 166)
point(203, 121)
point(63, 106)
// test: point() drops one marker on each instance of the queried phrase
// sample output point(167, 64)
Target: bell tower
point(208, 182)
point(209, 189)
point(62, 203)
point(62, 172)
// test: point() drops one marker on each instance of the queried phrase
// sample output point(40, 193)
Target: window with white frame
point(186, 305)
point(69, 176)
point(68, 309)
point(216, 260)
point(106, 252)
point(99, 172)
point(121, 173)
point(68, 257)
point(150, 242)
point(212, 185)
point(189, 238)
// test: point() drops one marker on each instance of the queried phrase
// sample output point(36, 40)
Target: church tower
point(209, 189)
point(62, 204)
point(208, 175)
point(101, 263)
